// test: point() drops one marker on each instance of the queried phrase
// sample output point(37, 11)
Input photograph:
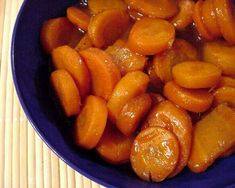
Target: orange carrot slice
point(84, 43)
point(226, 81)
point(224, 95)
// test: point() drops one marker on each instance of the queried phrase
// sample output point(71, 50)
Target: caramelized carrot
point(67, 58)
point(196, 74)
point(131, 85)
point(226, 81)
point(104, 73)
point(91, 122)
point(155, 9)
point(78, 18)
point(84, 43)
point(114, 147)
point(66, 91)
point(107, 26)
point(224, 95)
point(154, 79)
point(189, 99)
point(154, 154)
point(146, 32)
point(176, 120)
point(132, 113)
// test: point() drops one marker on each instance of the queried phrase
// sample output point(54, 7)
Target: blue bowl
point(31, 71)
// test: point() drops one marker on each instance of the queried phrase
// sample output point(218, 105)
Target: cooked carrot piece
point(189, 99)
point(213, 135)
point(155, 81)
point(97, 6)
point(210, 19)
point(91, 122)
point(56, 32)
point(67, 58)
point(84, 43)
point(107, 26)
point(196, 74)
point(180, 51)
point(229, 152)
point(155, 9)
point(135, 15)
point(114, 147)
point(66, 91)
point(197, 18)
point(154, 154)
point(132, 113)
point(222, 55)
point(156, 98)
point(170, 117)
point(104, 73)
point(184, 16)
point(226, 81)
point(226, 20)
point(224, 95)
point(131, 85)
point(125, 59)
point(146, 32)
point(78, 18)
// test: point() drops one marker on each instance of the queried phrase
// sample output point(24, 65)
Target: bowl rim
point(28, 114)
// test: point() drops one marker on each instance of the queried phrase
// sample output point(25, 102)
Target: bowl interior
point(31, 76)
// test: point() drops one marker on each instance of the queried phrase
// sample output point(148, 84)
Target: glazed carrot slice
point(125, 59)
point(154, 79)
point(184, 16)
point(226, 20)
point(154, 154)
point(78, 18)
point(84, 43)
point(196, 74)
point(210, 19)
point(132, 113)
point(176, 120)
point(213, 135)
point(221, 54)
point(197, 18)
point(104, 73)
point(67, 58)
point(107, 26)
point(97, 6)
point(66, 91)
point(131, 85)
point(189, 99)
point(114, 147)
point(91, 122)
point(155, 9)
point(146, 32)
point(226, 81)
point(224, 95)
point(156, 98)
point(56, 32)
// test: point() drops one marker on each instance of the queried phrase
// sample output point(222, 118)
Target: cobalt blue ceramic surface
point(30, 69)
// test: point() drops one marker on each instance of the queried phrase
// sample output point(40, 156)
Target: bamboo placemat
point(25, 161)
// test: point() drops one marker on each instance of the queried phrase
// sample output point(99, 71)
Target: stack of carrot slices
point(140, 91)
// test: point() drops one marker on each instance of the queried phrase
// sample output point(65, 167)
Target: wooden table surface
point(25, 161)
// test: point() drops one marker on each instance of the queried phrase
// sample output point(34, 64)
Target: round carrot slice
point(196, 74)
point(66, 91)
point(78, 18)
point(154, 154)
point(224, 95)
point(91, 122)
point(189, 99)
point(97, 6)
point(147, 31)
point(197, 18)
point(226, 20)
point(104, 73)
point(67, 58)
point(184, 17)
point(114, 147)
point(226, 81)
point(107, 26)
point(176, 120)
point(209, 18)
point(131, 85)
point(56, 32)
point(84, 43)
point(155, 9)
point(132, 113)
